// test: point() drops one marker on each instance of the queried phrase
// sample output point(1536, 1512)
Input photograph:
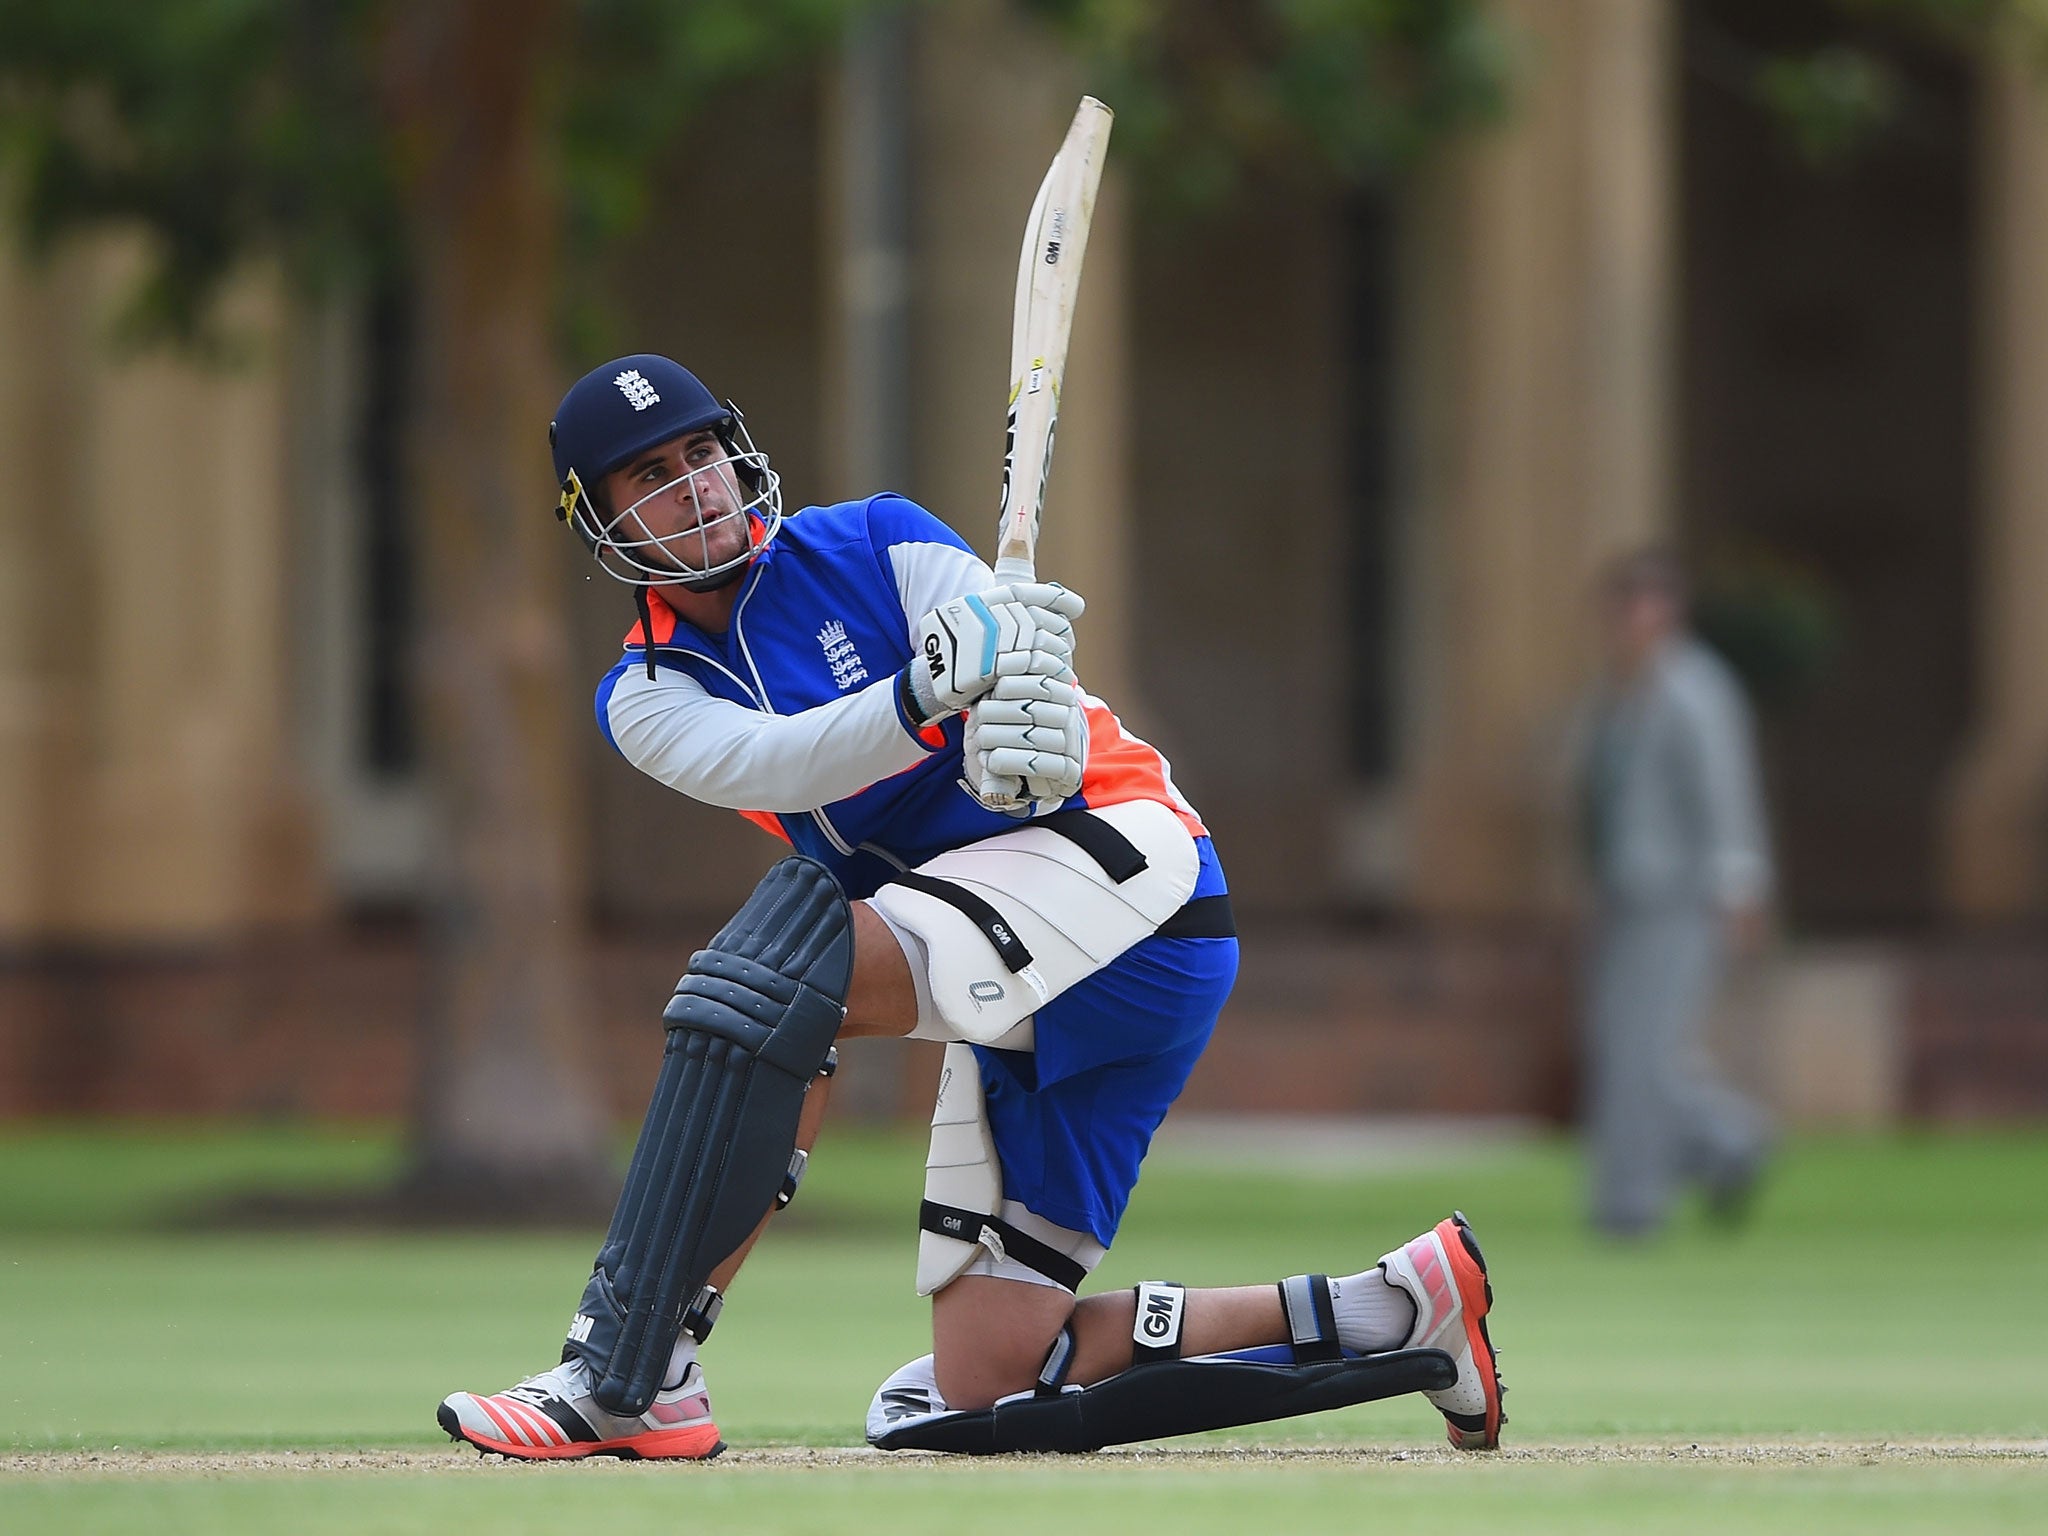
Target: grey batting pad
point(749, 1027)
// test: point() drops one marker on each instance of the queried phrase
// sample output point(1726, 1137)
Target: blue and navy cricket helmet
point(625, 408)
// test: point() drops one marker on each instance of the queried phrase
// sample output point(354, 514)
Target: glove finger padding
point(1047, 595)
point(1021, 714)
point(1035, 687)
point(1049, 765)
point(1025, 751)
point(1047, 655)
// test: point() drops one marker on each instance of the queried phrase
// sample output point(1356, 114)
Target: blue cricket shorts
point(1072, 1119)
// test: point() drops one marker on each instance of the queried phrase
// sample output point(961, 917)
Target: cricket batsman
point(981, 855)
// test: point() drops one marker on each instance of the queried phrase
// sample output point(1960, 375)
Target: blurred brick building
point(1345, 461)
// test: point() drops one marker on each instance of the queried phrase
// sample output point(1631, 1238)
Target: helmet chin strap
point(646, 631)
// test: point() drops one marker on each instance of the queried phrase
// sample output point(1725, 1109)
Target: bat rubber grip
point(1010, 568)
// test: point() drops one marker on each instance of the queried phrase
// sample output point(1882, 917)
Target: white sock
point(1372, 1315)
point(680, 1359)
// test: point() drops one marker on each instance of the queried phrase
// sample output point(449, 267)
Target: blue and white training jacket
point(792, 716)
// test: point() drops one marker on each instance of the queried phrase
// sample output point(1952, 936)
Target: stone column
point(142, 751)
point(1541, 270)
point(867, 185)
point(45, 641)
point(993, 99)
point(1995, 834)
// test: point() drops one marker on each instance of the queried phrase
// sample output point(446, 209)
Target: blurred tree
point(1208, 92)
point(1835, 98)
point(1778, 624)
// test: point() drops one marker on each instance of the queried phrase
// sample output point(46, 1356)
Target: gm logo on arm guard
point(1156, 1327)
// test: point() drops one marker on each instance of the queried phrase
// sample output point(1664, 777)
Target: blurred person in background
point(1678, 853)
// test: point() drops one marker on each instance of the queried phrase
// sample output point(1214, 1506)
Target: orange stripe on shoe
point(541, 1429)
point(1429, 1269)
point(680, 1410)
point(508, 1423)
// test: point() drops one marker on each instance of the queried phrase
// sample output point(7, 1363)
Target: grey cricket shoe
point(555, 1417)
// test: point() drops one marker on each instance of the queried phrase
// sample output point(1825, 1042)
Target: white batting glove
point(961, 647)
point(1027, 743)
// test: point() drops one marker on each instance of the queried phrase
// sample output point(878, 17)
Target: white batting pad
point(1058, 902)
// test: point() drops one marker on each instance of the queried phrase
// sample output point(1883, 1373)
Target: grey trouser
point(1657, 1115)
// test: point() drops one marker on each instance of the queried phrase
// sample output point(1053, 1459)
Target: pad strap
point(974, 909)
point(701, 1314)
point(1059, 1360)
point(798, 1161)
point(1206, 917)
point(1155, 1330)
point(1009, 1241)
point(1311, 1318)
point(1116, 854)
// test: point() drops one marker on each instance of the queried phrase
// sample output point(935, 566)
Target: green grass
point(1075, 1499)
point(1889, 1290)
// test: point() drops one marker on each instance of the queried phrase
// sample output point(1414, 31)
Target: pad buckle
point(992, 1240)
point(798, 1161)
point(702, 1313)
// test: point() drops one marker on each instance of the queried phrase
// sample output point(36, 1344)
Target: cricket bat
point(1048, 281)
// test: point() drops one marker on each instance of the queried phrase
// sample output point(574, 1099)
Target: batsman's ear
point(739, 446)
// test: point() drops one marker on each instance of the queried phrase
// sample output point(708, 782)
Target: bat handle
point(1014, 568)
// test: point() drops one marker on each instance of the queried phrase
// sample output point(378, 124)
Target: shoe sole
point(699, 1442)
point(1475, 1294)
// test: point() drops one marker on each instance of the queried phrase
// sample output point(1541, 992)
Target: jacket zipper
point(824, 823)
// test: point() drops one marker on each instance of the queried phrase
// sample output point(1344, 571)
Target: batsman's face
point(680, 505)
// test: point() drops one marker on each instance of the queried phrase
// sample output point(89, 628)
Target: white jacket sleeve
point(930, 573)
point(728, 755)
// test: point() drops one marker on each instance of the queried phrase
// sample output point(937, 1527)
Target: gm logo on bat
point(1059, 233)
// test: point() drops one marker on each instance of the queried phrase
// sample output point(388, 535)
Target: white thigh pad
point(1069, 914)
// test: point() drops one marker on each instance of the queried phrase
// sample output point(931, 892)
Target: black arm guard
point(1172, 1397)
point(1161, 1394)
point(751, 1024)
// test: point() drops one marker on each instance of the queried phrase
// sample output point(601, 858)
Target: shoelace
point(537, 1389)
